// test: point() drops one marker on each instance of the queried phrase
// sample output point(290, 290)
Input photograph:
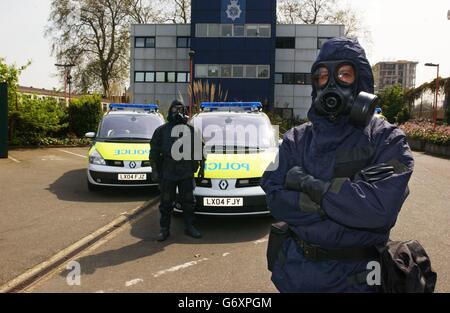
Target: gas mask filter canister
point(336, 85)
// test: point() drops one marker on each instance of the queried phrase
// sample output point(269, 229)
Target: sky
point(414, 30)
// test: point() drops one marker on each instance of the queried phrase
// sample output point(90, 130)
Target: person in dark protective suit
point(174, 167)
point(341, 181)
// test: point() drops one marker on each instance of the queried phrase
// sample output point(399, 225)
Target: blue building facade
point(242, 47)
point(238, 46)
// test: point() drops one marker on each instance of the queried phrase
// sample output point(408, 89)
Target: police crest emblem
point(234, 10)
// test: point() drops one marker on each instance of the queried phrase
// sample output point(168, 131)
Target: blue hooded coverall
point(358, 214)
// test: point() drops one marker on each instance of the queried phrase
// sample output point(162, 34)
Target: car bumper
point(254, 201)
point(108, 176)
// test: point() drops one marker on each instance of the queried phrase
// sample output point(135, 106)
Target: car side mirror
point(90, 135)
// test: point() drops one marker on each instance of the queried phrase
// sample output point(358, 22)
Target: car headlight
point(248, 182)
point(96, 158)
point(203, 182)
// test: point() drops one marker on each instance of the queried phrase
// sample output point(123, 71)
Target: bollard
point(3, 120)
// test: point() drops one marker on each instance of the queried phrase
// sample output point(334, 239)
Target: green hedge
point(30, 120)
point(84, 114)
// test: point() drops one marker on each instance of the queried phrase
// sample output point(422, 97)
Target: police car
point(240, 143)
point(119, 154)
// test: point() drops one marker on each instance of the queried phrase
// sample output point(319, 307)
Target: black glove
point(297, 179)
point(155, 174)
point(376, 173)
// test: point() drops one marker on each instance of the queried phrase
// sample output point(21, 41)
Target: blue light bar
point(125, 106)
point(231, 105)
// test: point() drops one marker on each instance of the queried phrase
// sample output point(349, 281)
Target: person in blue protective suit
point(341, 180)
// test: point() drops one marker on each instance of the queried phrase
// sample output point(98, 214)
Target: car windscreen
point(249, 131)
point(129, 126)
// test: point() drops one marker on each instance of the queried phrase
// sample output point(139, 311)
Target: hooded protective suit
point(176, 171)
point(353, 212)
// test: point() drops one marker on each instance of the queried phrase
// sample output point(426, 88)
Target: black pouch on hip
point(279, 232)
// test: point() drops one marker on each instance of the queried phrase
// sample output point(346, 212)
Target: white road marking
point(79, 155)
point(134, 282)
point(257, 242)
point(179, 267)
point(226, 253)
point(12, 159)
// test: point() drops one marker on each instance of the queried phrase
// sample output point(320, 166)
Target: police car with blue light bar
point(119, 155)
point(240, 144)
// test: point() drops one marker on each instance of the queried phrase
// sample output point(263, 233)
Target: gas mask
point(336, 85)
point(178, 114)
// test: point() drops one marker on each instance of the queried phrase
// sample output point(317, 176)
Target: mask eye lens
point(320, 77)
point(346, 74)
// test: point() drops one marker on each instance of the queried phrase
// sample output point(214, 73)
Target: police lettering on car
point(240, 143)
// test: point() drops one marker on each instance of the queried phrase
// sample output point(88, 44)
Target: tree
point(321, 12)
point(394, 105)
point(182, 12)
point(10, 74)
point(148, 11)
point(94, 35)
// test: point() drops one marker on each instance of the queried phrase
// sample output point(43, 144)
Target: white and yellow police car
point(240, 143)
point(119, 154)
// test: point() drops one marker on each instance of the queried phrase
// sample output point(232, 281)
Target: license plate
point(132, 176)
point(223, 201)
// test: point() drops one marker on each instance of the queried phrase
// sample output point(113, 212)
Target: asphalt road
point(45, 206)
point(231, 257)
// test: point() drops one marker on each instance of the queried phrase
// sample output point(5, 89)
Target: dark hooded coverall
point(357, 213)
point(175, 174)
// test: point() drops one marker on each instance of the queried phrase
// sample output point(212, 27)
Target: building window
point(201, 30)
point(251, 30)
point(201, 70)
point(285, 43)
point(183, 42)
point(227, 30)
point(263, 71)
point(213, 71)
point(171, 77)
point(278, 78)
point(160, 77)
point(239, 30)
point(238, 71)
point(264, 31)
point(144, 42)
point(288, 78)
point(213, 30)
point(321, 41)
point(182, 77)
point(139, 77)
point(225, 71)
point(232, 71)
point(149, 77)
point(303, 79)
point(293, 78)
point(233, 30)
point(250, 71)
